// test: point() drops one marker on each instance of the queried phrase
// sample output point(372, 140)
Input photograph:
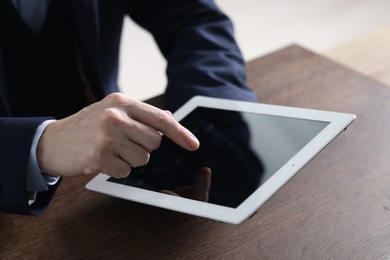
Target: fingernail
point(194, 142)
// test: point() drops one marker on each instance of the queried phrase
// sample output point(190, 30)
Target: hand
point(110, 136)
point(199, 190)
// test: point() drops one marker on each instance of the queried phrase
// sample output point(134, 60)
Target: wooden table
point(337, 207)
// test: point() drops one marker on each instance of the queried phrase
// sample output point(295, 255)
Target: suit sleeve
point(197, 39)
point(16, 135)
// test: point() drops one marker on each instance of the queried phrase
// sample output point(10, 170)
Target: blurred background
point(261, 26)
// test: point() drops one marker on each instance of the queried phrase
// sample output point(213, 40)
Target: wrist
point(43, 152)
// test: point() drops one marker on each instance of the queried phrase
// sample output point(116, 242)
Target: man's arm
point(16, 135)
point(197, 40)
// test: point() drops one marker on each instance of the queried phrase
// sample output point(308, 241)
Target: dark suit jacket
point(194, 36)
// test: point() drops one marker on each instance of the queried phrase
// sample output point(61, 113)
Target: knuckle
point(162, 116)
point(142, 159)
point(116, 98)
point(110, 115)
point(121, 172)
point(156, 142)
point(111, 118)
point(169, 125)
point(180, 131)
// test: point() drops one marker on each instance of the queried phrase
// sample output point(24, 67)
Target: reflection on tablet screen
point(239, 151)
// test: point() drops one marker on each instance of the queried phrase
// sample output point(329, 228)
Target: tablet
point(248, 151)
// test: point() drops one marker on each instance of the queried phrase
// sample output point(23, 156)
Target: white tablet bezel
point(337, 123)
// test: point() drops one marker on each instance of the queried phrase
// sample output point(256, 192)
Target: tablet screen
point(238, 152)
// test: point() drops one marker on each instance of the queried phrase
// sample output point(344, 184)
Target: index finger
point(164, 122)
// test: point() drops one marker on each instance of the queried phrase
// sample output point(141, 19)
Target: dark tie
point(33, 12)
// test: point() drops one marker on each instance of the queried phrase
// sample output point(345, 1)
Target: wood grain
point(337, 207)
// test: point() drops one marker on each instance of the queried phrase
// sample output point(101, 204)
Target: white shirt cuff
point(36, 180)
